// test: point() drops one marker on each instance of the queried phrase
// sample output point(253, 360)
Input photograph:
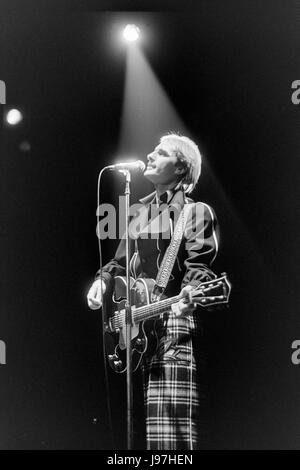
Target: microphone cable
point(107, 388)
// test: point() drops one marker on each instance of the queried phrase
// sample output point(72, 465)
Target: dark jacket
point(197, 251)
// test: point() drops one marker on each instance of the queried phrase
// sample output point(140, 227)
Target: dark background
point(228, 68)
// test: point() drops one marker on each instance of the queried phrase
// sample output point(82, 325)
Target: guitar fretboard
point(207, 293)
point(145, 312)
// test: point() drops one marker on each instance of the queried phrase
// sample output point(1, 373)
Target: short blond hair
point(188, 153)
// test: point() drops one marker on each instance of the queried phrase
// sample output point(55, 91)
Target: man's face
point(161, 167)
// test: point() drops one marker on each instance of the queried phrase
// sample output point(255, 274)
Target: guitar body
point(115, 338)
point(206, 294)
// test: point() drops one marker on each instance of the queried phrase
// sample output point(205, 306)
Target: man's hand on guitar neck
point(185, 305)
point(94, 297)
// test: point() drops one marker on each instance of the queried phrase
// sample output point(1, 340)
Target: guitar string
point(143, 312)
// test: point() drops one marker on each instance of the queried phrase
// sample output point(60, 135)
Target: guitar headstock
point(214, 292)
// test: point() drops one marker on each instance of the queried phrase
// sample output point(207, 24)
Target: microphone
point(138, 165)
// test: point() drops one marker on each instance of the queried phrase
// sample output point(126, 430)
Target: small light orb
point(14, 117)
point(131, 32)
point(25, 146)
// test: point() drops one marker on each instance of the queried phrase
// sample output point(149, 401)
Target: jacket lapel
point(154, 221)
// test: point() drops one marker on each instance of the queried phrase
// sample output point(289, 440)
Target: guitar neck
point(214, 292)
point(153, 310)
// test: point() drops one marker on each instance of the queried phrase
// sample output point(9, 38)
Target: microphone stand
point(128, 316)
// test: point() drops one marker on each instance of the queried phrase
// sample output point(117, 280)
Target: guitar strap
point(168, 261)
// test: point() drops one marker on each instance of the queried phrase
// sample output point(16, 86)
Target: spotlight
point(131, 32)
point(14, 117)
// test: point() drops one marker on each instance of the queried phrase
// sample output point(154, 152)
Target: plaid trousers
point(175, 385)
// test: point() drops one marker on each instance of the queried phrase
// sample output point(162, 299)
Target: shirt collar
point(166, 197)
point(177, 198)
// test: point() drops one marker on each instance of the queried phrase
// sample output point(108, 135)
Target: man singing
point(174, 384)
